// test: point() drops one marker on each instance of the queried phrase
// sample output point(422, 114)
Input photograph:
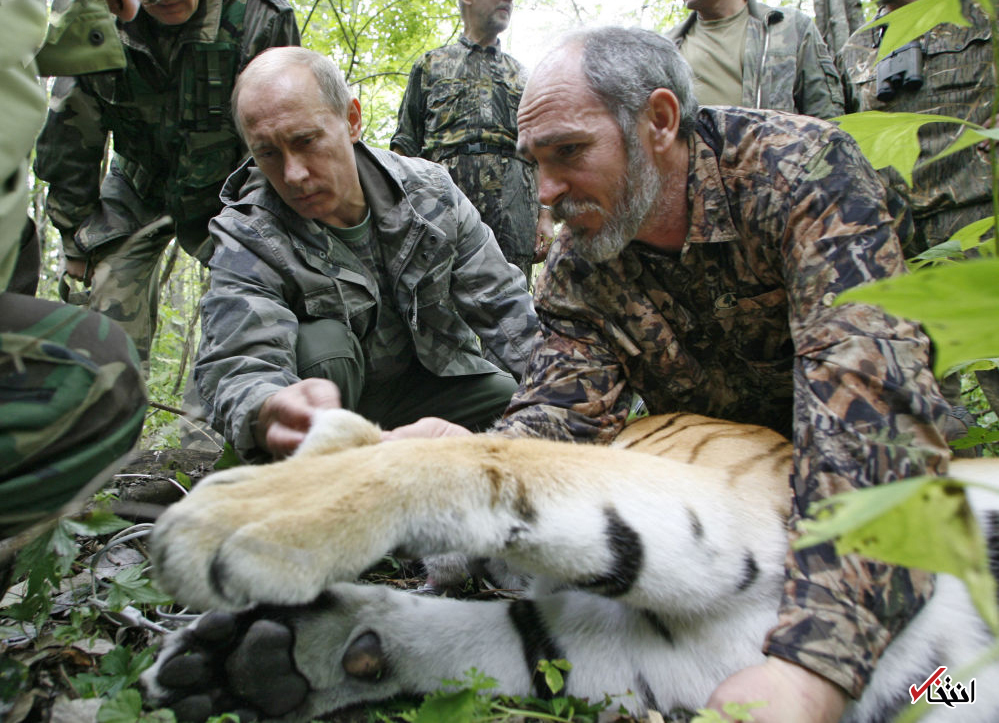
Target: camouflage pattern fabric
point(273, 270)
point(786, 66)
point(784, 213)
point(460, 109)
point(82, 38)
point(174, 144)
point(72, 404)
point(959, 81)
point(22, 27)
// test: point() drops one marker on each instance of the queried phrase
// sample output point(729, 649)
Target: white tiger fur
point(655, 578)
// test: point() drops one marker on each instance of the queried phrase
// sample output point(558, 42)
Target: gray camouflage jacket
point(787, 65)
point(272, 268)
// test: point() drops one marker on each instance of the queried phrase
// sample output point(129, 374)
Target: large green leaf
point(924, 523)
point(891, 139)
point(957, 305)
point(913, 20)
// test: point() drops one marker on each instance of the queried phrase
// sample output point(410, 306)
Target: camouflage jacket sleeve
point(818, 88)
point(787, 65)
point(247, 348)
point(268, 26)
point(408, 137)
point(491, 294)
point(574, 384)
point(866, 411)
point(68, 154)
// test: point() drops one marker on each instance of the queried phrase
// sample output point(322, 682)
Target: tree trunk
point(837, 20)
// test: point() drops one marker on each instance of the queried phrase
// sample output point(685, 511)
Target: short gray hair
point(623, 66)
point(333, 86)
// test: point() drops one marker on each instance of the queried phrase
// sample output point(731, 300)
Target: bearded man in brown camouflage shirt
point(705, 251)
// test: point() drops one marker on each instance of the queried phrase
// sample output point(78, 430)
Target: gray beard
point(637, 194)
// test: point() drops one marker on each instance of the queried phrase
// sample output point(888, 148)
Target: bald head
point(273, 65)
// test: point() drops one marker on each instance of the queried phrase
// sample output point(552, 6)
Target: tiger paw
point(227, 662)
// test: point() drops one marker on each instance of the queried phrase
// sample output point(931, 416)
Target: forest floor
point(82, 618)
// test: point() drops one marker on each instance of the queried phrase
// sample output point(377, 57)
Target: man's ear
point(354, 120)
point(663, 113)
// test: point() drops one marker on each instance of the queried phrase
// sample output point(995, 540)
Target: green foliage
point(956, 304)
point(913, 20)
point(552, 670)
point(472, 700)
point(733, 712)
point(47, 559)
point(375, 43)
point(228, 459)
point(923, 522)
point(892, 139)
point(126, 707)
point(119, 669)
point(132, 586)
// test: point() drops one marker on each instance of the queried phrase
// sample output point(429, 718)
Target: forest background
point(85, 626)
point(375, 43)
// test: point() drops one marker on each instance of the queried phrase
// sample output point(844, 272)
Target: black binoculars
point(903, 69)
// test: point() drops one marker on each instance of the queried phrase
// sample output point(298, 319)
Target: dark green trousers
point(327, 349)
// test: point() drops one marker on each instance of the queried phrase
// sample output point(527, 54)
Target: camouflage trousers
point(72, 403)
point(124, 241)
point(504, 192)
point(326, 349)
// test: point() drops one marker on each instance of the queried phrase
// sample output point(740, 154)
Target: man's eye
point(568, 150)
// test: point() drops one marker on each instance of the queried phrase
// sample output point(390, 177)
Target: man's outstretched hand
point(285, 416)
point(792, 693)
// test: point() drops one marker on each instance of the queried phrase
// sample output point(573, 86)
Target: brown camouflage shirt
point(784, 214)
point(958, 81)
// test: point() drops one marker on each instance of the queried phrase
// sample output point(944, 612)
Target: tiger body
point(656, 567)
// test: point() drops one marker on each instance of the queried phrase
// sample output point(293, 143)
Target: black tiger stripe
point(655, 432)
point(659, 625)
point(628, 556)
point(751, 571)
point(645, 694)
point(537, 642)
point(992, 544)
point(696, 526)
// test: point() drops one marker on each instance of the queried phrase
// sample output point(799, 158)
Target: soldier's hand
point(285, 416)
point(79, 269)
point(125, 9)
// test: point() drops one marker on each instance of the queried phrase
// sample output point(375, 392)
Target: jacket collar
point(767, 15)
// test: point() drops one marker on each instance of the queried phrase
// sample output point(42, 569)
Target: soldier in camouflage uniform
point(782, 63)
point(958, 80)
point(347, 276)
point(174, 146)
point(460, 110)
point(72, 399)
point(746, 226)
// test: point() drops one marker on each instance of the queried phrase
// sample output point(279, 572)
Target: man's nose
point(551, 187)
point(295, 169)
